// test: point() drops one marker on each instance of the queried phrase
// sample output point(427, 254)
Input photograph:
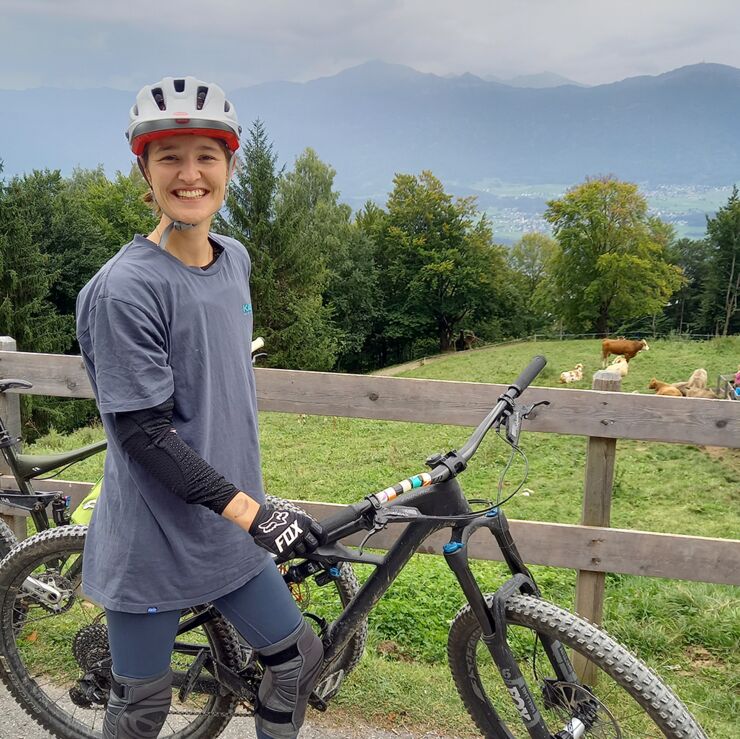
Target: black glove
point(285, 533)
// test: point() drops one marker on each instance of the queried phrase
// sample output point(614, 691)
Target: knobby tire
point(653, 705)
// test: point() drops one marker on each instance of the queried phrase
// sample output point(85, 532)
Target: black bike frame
point(444, 501)
point(28, 499)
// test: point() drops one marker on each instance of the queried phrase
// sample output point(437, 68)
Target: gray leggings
point(262, 610)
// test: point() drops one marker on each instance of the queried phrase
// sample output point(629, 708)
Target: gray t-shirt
point(151, 327)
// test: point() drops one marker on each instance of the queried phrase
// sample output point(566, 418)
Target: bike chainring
point(65, 588)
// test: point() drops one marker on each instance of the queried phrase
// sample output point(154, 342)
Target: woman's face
point(188, 175)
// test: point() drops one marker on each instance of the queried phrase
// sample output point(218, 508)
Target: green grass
point(689, 632)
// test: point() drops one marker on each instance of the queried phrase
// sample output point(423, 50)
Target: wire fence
point(674, 335)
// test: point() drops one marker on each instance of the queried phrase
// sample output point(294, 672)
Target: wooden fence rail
point(576, 412)
point(601, 415)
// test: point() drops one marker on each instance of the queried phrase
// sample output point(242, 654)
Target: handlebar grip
point(351, 514)
point(528, 374)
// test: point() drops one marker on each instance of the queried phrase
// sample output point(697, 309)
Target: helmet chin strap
point(173, 225)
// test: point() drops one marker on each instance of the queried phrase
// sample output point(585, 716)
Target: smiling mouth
point(194, 194)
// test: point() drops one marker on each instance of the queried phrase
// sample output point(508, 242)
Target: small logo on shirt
point(247, 308)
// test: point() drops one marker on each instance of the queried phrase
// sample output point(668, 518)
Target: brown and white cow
point(628, 348)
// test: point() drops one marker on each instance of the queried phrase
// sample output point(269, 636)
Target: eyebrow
point(170, 147)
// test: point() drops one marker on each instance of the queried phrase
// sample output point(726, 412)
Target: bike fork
point(491, 616)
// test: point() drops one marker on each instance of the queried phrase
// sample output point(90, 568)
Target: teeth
point(190, 193)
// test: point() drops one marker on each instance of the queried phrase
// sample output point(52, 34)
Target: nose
point(189, 170)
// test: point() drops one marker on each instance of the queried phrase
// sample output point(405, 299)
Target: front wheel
point(627, 700)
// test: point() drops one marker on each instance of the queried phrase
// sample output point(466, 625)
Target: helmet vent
point(201, 98)
point(159, 98)
point(179, 85)
point(227, 106)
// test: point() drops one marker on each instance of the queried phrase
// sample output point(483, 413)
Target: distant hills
point(543, 79)
point(376, 119)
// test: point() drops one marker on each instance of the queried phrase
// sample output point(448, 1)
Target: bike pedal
point(327, 689)
point(192, 675)
point(315, 702)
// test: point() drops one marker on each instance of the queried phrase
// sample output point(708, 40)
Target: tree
point(26, 312)
point(722, 286)
point(613, 264)
point(532, 256)
point(117, 205)
point(531, 260)
point(251, 206)
point(310, 227)
point(293, 227)
point(684, 310)
point(438, 265)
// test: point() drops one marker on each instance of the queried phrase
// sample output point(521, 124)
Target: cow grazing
point(700, 392)
point(664, 388)
point(698, 380)
point(619, 366)
point(574, 375)
point(628, 348)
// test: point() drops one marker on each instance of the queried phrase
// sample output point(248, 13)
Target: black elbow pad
point(151, 440)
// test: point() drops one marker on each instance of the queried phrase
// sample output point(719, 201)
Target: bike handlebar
point(528, 374)
point(351, 519)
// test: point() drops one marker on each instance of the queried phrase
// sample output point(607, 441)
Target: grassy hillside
point(670, 361)
point(689, 632)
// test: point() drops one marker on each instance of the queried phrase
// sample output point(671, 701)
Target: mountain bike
point(509, 650)
point(28, 467)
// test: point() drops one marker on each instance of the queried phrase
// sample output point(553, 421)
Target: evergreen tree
point(722, 286)
point(26, 279)
point(293, 227)
point(116, 206)
point(251, 207)
point(308, 227)
point(684, 310)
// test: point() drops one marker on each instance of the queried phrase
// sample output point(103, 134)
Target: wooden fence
point(602, 415)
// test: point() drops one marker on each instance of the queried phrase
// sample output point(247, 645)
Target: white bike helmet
point(181, 105)
point(176, 106)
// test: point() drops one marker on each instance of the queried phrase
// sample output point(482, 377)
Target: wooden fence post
point(597, 502)
point(10, 411)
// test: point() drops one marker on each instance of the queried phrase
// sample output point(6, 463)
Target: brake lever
point(515, 417)
point(396, 514)
point(391, 514)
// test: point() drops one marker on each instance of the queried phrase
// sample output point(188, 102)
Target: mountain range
point(376, 119)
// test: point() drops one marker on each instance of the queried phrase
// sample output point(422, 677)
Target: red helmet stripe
point(140, 142)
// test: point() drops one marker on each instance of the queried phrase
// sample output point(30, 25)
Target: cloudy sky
point(125, 44)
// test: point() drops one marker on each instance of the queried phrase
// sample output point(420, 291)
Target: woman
point(165, 329)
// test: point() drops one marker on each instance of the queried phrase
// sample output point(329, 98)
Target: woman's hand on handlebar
point(286, 533)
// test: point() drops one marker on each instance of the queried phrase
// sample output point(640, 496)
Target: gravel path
point(15, 724)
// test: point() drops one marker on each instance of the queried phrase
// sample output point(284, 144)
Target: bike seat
point(8, 383)
point(33, 465)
